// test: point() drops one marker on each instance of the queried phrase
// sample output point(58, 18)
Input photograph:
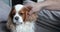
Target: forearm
point(53, 7)
point(51, 4)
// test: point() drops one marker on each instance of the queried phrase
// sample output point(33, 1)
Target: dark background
point(14, 2)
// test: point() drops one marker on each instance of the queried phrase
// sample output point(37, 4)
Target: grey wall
point(8, 2)
point(4, 10)
point(39, 0)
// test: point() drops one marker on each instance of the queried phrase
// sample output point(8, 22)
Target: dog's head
point(20, 14)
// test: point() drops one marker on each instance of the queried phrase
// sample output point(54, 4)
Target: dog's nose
point(20, 22)
point(16, 18)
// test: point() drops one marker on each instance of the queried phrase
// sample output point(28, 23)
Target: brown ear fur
point(30, 17)
point(10, 24)
point(33, 17)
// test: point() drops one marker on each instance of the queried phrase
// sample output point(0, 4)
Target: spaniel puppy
point(19, 19)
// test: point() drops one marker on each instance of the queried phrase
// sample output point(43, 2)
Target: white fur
point(27, 27)
point(18, 7)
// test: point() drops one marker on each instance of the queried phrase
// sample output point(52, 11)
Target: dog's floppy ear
point(26, 11)
point(28, 8)
point(9, 23)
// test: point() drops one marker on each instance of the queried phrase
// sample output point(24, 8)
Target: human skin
point(47, 4)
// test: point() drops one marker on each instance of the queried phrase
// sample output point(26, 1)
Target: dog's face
point(17, 18)
point(20, 14)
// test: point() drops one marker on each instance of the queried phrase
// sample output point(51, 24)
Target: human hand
point(45, 4)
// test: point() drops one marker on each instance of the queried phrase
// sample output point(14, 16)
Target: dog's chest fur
point(27, 27)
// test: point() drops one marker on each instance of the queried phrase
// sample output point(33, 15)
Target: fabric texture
point(49, 20)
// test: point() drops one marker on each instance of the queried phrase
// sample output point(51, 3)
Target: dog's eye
point(21, 13)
